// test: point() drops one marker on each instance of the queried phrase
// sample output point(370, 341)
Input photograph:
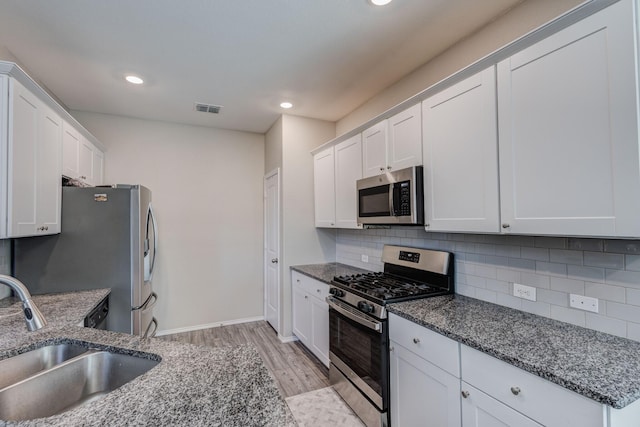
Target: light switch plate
point(583, 303)
point(365, 258)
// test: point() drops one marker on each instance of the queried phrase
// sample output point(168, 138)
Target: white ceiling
point(326, 56)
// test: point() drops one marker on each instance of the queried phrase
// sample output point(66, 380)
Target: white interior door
point(272, 249)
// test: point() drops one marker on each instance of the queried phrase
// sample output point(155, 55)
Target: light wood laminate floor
point(295, 369)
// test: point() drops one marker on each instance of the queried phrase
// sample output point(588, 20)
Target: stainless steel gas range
point(358, 328)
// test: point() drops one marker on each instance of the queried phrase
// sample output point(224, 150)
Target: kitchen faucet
point(33, 317)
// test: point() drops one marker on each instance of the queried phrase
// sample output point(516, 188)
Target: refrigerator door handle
point(149, 265)
point(154, 322)
point(148, 303)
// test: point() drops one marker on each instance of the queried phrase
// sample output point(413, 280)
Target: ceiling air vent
point(208, 108)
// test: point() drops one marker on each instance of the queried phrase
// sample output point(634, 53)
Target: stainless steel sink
point(68, 384)
point(17, 368)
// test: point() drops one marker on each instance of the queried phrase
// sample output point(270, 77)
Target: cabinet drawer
point(313, 287)
point(431, 346)
point(543, 401)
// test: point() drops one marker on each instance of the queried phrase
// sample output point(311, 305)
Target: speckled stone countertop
point(600, 366)
point(325, 272)
point(191, 386)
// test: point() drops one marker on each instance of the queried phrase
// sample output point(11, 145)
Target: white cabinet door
point(49, 182)
point(374, 150)
point(24, 117)
point(324, 188)
point(481, 410)
point(461, 157)
point(348, 169)
point(405, 139)
point(421, 391)
point(85, 161)
point(301, 315)
point(98, 167)
point(568, 131)
point(320, 329)
point(70, 150)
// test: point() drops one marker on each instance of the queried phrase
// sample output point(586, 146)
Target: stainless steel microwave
point(392, 198)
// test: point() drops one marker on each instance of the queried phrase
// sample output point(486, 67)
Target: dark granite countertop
point(325, 272)
point(192, 385)
point(600, 366)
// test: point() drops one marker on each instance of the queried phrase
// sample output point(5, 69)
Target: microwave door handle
point(392, 191)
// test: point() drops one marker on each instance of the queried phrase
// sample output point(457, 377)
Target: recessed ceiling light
point(134, 79)
point(286, 105)
point(380, 2)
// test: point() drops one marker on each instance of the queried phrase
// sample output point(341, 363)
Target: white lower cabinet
point(421, 391)
point(481, 410)
point(424, 387)
point(437, 381)
point(311, 314)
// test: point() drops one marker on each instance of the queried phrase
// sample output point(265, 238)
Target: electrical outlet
point(525, 292)
point(365, 258)
point(583, 303)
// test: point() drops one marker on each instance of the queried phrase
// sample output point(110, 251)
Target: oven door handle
point(352, 314)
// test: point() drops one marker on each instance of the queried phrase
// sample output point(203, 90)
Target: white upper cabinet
point(324, 188)
point(32, 152)
point(348, 169)
point(568, 131)
point(392, 144)
point(81, 160)
point(336, 170)
point(405, 139)
point(374, 149)
point(461, 157)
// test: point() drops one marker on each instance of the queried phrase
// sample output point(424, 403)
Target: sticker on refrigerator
point(101, 197)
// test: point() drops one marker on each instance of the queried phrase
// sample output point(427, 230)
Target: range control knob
point(365, 307)
point(336, 292)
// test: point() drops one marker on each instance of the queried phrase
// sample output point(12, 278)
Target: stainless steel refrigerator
point(109, 240)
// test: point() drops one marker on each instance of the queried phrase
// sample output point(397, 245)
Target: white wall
point(527, 16)
point(207, 192)
point(302, 242)
point(288, 145)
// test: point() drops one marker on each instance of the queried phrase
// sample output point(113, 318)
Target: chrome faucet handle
point(32, 315)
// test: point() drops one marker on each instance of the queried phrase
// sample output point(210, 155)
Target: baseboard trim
point(290, 338)
point(209, 325)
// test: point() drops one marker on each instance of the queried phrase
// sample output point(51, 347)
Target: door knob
point(274, 261)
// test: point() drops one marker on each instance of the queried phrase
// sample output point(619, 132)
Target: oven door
point(359, 348)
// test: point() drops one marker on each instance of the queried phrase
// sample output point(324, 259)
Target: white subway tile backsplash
point(622, 246)
point(553, 297)
point(537, 254)
point(633, 331)
point(632, 262)
point(551, 242)
point(568, 315)
point(593, 274)
point(633, 297)
point(594, 245)
point(536, 307)
point(606, 324)
point(565, 256)
point(569, 286)
point(626, 312)
point(605, 292)
point(604, 260)
point(509, 301)
point(551, 268)
point(488, 265)
point(486, 295)
point(630, 279)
